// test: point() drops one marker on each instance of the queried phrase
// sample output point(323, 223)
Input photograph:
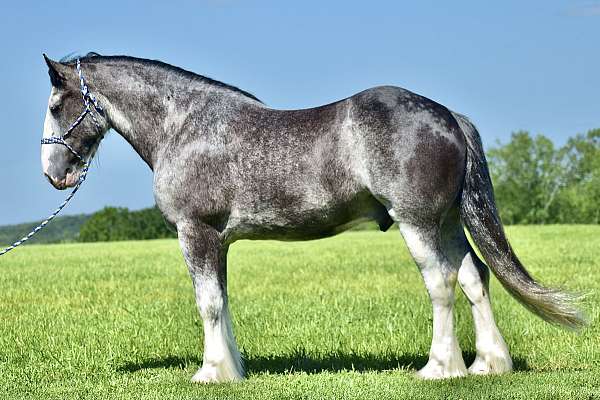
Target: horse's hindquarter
point(414, 151)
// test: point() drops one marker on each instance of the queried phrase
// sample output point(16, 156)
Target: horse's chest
point(191, 194)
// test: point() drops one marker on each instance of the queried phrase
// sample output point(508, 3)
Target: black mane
point(90, 57)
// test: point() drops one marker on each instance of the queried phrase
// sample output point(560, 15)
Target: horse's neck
point(129, 116)
point(148, 108)
point(140, 112)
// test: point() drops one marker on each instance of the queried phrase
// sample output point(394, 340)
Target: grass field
point(346, 317)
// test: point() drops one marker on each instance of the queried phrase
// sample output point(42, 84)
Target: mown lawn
point(345, 317)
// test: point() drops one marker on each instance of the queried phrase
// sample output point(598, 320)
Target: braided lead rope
point(87, 98)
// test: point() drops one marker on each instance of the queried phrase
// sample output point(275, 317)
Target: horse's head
point(59, 164)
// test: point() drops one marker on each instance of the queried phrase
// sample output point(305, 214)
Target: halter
point(90, 104)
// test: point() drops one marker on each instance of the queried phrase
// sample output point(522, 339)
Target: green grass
point(345, 317)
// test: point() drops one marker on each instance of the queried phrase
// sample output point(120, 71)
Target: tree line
point(535, 182)
point(118, 223)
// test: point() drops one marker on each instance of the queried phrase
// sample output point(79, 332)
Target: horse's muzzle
point(70, 180)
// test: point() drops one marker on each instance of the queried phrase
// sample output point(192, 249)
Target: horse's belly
point(307, 222)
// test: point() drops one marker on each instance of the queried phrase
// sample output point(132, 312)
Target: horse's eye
point(55, 108)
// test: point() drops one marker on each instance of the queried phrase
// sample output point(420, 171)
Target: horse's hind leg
point(492, 353)
point(473, 276)
point(439, 274)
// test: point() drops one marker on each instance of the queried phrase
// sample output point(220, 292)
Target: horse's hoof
point(435, 370)
point(205, 375)
point(213, 375)
point(491, 365)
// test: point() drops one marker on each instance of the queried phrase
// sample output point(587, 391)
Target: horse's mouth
point(68, 181)
point(72, 178)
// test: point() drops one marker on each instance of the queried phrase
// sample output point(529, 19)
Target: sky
point(508, 65)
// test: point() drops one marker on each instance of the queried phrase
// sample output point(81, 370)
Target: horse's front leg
point(206, 257)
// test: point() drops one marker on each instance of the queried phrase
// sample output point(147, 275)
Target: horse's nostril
point(69, 170)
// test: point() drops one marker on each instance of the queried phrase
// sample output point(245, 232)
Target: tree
point(527, 178)
point(580, 200)
point(112, 224)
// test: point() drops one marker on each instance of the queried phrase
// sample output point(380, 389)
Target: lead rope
point(38, 228)
point(89, 101)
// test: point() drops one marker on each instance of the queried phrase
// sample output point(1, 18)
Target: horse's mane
point(93, 56)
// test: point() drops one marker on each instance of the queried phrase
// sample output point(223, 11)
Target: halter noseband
point(90, 102)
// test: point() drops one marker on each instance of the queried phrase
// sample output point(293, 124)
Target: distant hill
point(60, 230)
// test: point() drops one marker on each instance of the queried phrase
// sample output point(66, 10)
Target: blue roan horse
point(227, 167)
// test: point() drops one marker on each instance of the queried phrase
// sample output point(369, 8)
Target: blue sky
point(509, 65)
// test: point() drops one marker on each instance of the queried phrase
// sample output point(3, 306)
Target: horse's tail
point(480, 215)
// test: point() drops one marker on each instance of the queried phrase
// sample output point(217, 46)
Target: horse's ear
point(56, 71)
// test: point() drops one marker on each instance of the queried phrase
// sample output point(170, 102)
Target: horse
point(227, 167)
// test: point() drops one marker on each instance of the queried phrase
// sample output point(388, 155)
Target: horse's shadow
point(299, 361)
